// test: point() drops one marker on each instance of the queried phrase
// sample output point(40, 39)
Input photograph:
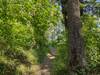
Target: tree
point(71, 12)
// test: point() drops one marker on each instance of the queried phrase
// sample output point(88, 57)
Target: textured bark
point(71, 12)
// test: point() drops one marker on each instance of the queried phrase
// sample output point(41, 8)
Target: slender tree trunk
point(71, 12)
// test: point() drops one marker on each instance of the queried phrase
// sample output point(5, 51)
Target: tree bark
point(71, 12)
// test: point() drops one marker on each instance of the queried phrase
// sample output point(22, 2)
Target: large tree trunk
point(71, 12)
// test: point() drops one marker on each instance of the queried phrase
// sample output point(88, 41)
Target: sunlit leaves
point(91, 37)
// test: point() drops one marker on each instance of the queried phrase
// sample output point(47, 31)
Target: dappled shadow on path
point(47, 64)
point(45, 67)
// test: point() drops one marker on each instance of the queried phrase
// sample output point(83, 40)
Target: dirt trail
point(47, 64)
point(45, 67)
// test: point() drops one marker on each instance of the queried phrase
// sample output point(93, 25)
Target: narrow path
point(47, 64)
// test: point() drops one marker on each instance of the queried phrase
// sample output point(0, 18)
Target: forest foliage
point(25, 26)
